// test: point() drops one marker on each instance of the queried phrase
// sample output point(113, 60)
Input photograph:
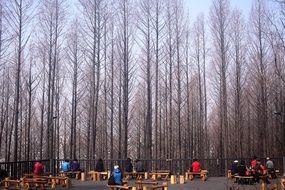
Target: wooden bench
point(141, 183)
point(11, 184)
point(244, 179)
point(203, 175)
point(119, 187)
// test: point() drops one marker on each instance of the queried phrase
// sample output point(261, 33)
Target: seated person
point(263, 172)
point(253, 164)
point(196, 166)
point(139, 166)
point(117, 175)
point(3, 174)
point(241, 168)
point(234, 168)
point(99, 165)
point(38, 168)
point(65, 166)
point(259, 170)
point(75, 166)
point(129, 165)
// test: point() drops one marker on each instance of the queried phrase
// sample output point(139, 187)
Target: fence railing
point(216, 167)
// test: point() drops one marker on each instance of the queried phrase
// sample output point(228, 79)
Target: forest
point(113, 79)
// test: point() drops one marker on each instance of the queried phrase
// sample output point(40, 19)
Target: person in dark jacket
point(234, 168)
point(129, 165)
point(99, 166)
point(3, 174)
point(117, 175)
point(139, 166)
point(241, 169)
point(75, 166)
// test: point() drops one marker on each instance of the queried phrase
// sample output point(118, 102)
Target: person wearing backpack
point(118, 177)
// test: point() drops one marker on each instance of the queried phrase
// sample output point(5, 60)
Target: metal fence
point(216, 167)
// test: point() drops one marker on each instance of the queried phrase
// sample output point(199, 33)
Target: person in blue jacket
point(117, 175)
point(66, 166)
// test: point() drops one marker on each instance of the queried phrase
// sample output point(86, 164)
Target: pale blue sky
point(198, 6)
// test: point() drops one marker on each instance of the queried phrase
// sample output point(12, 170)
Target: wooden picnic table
point(203, 175)
point(159, 174)
point(28, 183)
point(97, 176)
point(9, 183)
point(141, 183)
point(71, 174)
point(140, 175)
point(59, 180)
point(119, 187)
point(243, 179)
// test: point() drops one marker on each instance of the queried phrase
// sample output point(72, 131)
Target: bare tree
point(144, 26)
point(238, 56)
point(124, 30)
point(258, 53)
point(158, 26)
point(199, 59)
point(74, 56)
point(220, 15)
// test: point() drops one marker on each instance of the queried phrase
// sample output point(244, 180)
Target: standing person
point(66, 166)
point(129, 165)
point(75, 165)
point(196, 166)
point(270, 168)
point(38, 168)
point(118, 177)
point(99, 165)
point(139, 166)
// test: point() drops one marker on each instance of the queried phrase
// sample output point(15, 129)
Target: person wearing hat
point(270, 168)
point(241, 169)
point(234, 168)
point(117, 175)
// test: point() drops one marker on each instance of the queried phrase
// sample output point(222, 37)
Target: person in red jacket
point(38, 168)
point(196, 166)
point(253, 162)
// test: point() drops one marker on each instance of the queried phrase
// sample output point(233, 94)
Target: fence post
point(52, 166)
point(283, 165)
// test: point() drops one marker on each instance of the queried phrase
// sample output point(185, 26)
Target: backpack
point(111, 180)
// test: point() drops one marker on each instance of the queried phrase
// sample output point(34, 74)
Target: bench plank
point(119, 187)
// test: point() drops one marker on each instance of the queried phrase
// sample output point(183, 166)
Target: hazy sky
point(198, 6)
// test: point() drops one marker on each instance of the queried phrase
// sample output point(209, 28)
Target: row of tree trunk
point(140, 79)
